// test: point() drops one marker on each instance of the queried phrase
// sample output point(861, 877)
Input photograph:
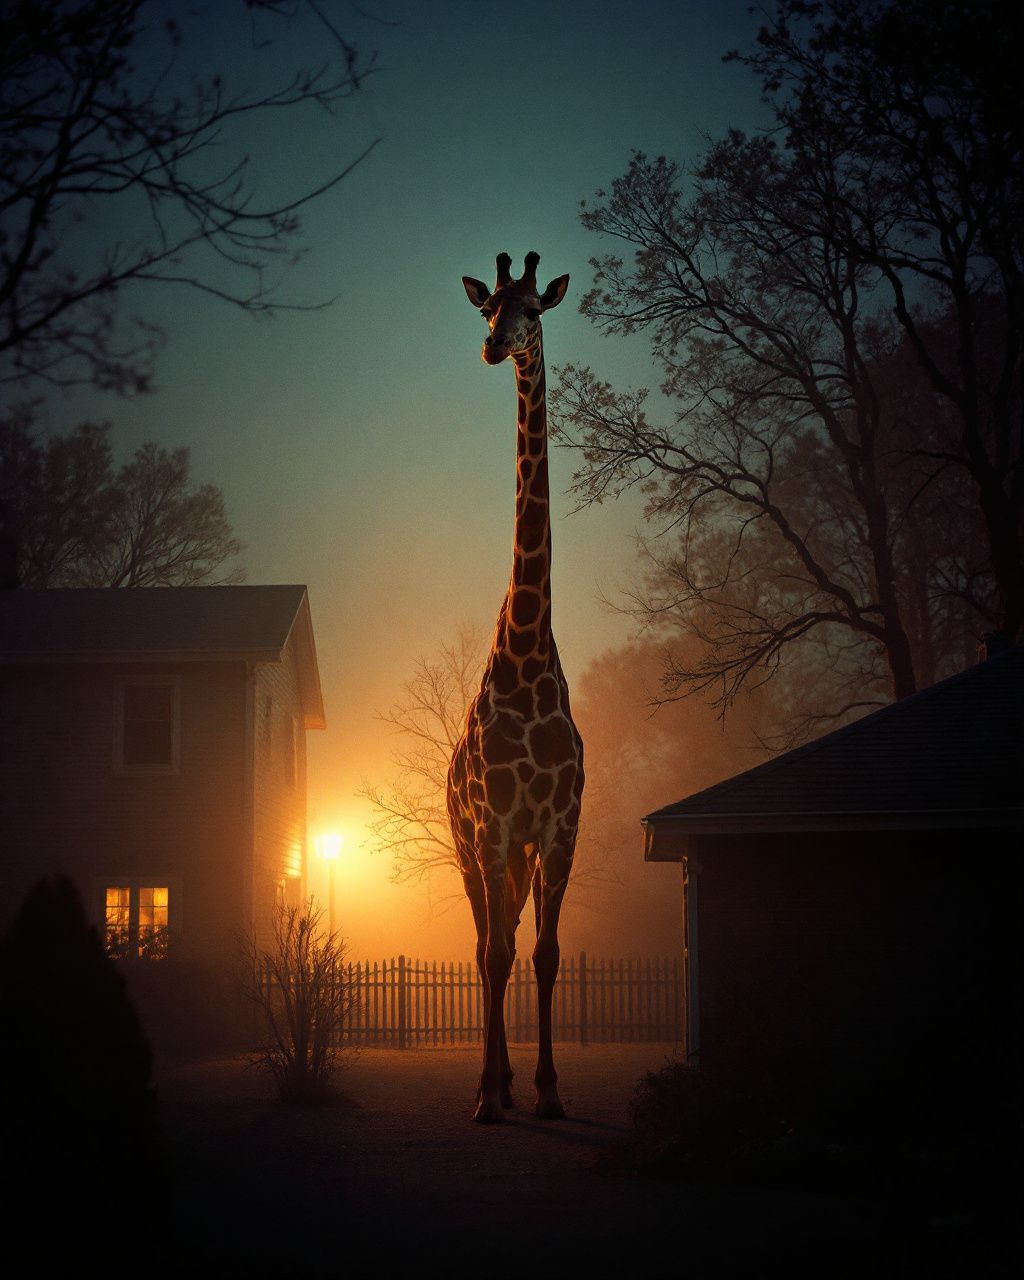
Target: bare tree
point(411, 815)
point(797, 489)
point(776, 426)
point(79, 522)
point(104, 125)
point(909, 115)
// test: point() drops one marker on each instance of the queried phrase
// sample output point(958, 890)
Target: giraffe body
point(516, 777)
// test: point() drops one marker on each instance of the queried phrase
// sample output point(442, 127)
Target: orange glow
point(329, 845)
point(293, 865)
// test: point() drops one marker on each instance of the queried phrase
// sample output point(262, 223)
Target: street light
point(328, 847)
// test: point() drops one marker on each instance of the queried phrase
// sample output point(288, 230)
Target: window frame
point(135, 884)
point(120, 766)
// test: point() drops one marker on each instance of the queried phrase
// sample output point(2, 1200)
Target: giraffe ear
point(476, 291)
point(554, 293)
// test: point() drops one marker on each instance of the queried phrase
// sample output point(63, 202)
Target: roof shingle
point(956, 748)
point(152, 624)
point(151, 620)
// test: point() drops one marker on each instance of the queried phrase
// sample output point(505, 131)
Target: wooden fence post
point(583, 998)
point(402, 1031)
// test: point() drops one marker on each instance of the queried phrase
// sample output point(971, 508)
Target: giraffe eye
point(531, 313)
point(486, 314)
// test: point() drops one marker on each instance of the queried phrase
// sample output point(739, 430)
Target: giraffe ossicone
point(516, 778)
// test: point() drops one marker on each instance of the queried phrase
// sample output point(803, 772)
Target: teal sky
point(366, 450)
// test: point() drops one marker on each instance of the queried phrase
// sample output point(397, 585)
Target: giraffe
point(516, 776)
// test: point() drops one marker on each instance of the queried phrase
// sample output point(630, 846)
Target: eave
point(670, 839)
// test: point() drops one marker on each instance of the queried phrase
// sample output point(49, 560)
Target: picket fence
point(405, 1003)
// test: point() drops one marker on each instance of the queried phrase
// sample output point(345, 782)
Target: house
point(862, 894)
point(153, 747)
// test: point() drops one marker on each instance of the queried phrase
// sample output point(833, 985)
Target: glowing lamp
point(328, 845)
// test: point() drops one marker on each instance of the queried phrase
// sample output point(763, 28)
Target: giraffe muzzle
point(495, 349)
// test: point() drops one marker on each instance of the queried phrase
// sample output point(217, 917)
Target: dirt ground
point(402, 1179)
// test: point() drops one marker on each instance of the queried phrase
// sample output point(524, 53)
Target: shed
point(862, 893)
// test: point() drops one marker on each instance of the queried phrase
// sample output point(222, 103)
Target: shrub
point(300, 988)
point(78, 1105)
point(687, 1120)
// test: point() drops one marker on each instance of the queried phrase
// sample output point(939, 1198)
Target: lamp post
point(328, 847)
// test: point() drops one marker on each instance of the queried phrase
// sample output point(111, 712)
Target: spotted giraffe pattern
point(516, 777)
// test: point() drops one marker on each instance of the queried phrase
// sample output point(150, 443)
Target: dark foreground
point(403, 1181)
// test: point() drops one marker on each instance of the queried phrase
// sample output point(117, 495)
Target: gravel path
point(402, 1180)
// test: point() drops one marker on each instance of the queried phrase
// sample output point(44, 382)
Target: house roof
point(949, 756)
point(163, 624)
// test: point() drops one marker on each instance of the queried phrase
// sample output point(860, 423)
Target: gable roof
point(949, 756)
point(163, 624)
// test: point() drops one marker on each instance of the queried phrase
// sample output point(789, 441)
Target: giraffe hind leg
point(554, 874)
point(474, 886)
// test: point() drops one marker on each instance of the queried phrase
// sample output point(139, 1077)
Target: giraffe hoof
point(488, 1111)
point(549, 1108)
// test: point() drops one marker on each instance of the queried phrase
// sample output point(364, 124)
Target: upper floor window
point(147, 725)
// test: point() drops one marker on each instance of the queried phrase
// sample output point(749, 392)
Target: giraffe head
point(513, 308)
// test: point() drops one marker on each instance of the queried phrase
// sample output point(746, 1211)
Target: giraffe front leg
point(478, 901)
point(554, 873)
point(507, 1100)
point(497, 963)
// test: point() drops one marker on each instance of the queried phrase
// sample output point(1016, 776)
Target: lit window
point(137, 921)
point(153, 922)
point(118, 936)
point(147, 725)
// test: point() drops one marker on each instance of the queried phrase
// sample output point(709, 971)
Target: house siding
point(873, 946)
point(67, 809)
point(279, 797)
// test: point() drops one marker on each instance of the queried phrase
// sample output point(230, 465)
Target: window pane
point(148, 701)
point(147, 742)
point(152, 906)
point(117, 898)
point(117, 920)
point(153, 921)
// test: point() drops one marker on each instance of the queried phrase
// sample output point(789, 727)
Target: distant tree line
point(834, 478)
point(76, 520)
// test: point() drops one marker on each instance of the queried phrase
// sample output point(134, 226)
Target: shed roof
point(163, 624)
point(949, 756)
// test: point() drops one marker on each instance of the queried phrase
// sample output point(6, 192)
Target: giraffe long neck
point(528, 604)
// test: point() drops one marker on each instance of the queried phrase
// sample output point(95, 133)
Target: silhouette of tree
point(122, 165)
point(411, 814)
point(911, 115)
point(79, 522)
point(807, 492)
point(78, 1108)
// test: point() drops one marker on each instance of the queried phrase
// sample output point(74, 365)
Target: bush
point(301, 991)
point(817, 1115)
point(687, 1120)
point(79, 1112)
